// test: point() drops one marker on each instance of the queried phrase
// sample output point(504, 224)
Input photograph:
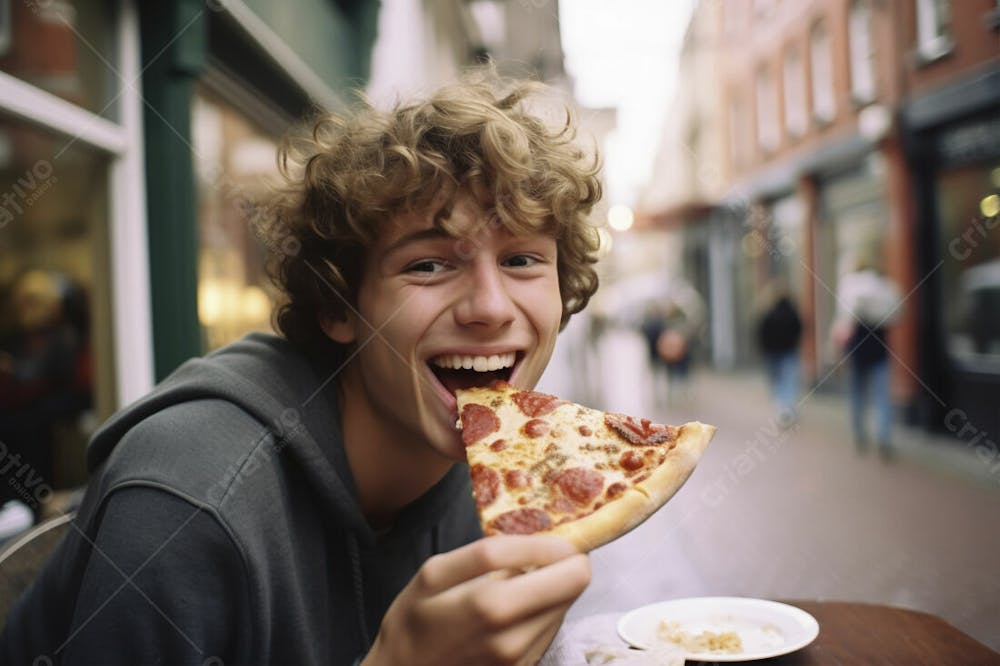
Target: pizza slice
point(544, 465)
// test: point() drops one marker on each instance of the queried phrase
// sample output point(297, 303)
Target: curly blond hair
point(354, 171)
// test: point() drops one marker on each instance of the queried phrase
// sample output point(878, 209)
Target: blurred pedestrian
point(779, 331)
point(671, 327)
point(867, 304)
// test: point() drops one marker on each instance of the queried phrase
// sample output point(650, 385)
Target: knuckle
point(429, 575)
point(487, 609)
point(486, 553)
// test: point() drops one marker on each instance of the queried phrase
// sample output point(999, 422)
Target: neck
point(391, 469)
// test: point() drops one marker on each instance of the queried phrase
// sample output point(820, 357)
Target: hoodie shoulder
point(252, 423)
point(197, 449)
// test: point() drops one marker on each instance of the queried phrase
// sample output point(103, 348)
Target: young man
point(302, 500)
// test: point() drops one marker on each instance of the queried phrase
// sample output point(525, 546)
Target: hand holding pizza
point(496, 601)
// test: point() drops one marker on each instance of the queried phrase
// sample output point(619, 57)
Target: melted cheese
point(564, 446)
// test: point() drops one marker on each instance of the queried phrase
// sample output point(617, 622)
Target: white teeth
point(477, 363)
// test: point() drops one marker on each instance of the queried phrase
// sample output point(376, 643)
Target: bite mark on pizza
point(544, 465)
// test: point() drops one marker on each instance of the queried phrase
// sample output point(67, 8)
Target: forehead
point(461, 218)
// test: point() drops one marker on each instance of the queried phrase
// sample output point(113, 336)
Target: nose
point(485, 299)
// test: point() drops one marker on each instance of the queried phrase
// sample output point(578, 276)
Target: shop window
point(71, 220)
point(933, 29)
point(796, 113)
point(63, 47)
point(821, 61)
point(55, 350)
point(862, 52)
point(969, 210)
point(235, 166)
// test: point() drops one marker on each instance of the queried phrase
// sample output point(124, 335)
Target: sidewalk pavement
point(797, 513)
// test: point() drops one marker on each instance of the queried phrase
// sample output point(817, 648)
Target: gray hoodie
point(221, 526)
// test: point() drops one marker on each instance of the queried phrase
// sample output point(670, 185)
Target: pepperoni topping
point(640, 432)
point(615, 489)
point(485, 484)
point(477, 422)
point(561, 505)
point(585, 431)
point(580, 484)
point(515, 478)
point(534, 404)
point(498, 445)
point(521, 521)
point(631, 460)
point(535, 428)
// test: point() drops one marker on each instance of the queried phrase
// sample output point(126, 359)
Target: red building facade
point(866, 129)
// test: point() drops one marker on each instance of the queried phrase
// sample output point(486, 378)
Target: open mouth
point(463, 371)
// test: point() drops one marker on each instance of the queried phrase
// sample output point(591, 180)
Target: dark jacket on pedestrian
point(222, 526)
point(780, 329)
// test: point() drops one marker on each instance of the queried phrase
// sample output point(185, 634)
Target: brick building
point(851, 128)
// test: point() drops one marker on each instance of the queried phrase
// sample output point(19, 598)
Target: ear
point(340, 330)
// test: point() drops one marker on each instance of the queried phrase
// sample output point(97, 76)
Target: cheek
point(549, 312)
point(544, 310)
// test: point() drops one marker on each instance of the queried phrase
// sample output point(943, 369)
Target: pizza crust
point(640, 501)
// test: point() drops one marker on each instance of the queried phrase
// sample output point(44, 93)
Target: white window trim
point(824, 102)
point(39, 107)
point(793, 75)
point(130, 298)
point(766, 98)
point(861, 52)
point(933, 40)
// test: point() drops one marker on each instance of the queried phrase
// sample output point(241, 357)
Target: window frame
point(795, 106)
point(825, 112)
point(862, 52)
point(933, 31)
point(767, 109)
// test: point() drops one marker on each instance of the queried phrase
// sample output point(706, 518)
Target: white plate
point(766, 628)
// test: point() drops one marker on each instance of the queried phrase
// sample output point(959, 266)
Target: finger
point(554, 585)
point(549, 627)
point(494, 553)
point(498, 605)
point(527, 641)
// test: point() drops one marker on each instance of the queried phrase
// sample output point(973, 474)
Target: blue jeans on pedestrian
point(870, 384)
point(783, 372)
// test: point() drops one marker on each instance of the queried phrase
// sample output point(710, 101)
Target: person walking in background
point(779, 331)
point(867, 304)
point(670, 327)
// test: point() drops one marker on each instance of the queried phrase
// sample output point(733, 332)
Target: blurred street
point(798, 514)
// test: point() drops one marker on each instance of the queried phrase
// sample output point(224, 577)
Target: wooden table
point(869, 634)
point(850, 634)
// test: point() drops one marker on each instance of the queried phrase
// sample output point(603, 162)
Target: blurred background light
point(620, 217)
point(990, 206)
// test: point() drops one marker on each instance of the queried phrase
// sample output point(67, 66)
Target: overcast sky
point(624, 54)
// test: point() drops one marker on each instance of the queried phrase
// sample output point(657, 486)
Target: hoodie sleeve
point(164, 584)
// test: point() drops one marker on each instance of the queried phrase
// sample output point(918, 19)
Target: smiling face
point(438, 311)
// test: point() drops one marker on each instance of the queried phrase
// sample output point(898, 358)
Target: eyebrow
point(430, 233)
